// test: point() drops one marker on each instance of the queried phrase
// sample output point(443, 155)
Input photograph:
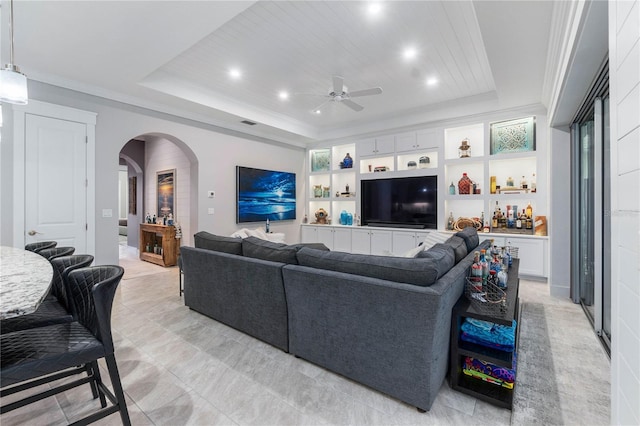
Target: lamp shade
point(13, 86)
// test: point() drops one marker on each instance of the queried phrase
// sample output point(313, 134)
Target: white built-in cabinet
point(397, 154)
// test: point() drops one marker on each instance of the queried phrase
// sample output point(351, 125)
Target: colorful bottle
point(493, 185)
point(452, 189)
point(529, 211)
point(476, 272)
point(485, 265)
point(464, 185)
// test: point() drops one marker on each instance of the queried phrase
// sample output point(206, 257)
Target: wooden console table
point(158, 244)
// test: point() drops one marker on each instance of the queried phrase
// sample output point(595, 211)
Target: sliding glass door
point(590, 207)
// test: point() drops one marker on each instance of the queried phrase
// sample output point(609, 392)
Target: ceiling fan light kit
point(340, 93)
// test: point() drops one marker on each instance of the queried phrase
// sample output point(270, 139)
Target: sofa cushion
point(459, 247)
point(316, 246)
point(422, 272)
point(208, 241)
point(470, 237)
point(267, 250)
point(443, 255)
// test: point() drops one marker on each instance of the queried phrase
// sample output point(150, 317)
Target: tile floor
point(181, 368)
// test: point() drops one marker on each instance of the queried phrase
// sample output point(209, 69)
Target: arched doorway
point(146, 156)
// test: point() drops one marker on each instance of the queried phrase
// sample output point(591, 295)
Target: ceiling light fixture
point(283, 95)
point(374, 9)
point(432, 81)
point(317, 112)
point(13, 84)
point(409, 53)
point(235, 73)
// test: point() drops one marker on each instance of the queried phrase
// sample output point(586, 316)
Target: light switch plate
point(107, 213)
point(211, 210)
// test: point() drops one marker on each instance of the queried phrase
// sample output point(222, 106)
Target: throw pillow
point(443, 255)
point(435, 237)
point(267, 250)
point(420, 272)
point(459, 247)
point(470, 237)
point(208, 241)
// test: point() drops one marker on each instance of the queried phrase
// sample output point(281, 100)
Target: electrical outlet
point(212, 194)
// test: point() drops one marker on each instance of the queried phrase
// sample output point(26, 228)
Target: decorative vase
point(411, 165)
point(317, 191)
point(464, 185)
point(347, 163)
point(325, 192)
point(424, 162)
point(343, 217)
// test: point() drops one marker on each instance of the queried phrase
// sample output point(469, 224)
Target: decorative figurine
point(464, 151)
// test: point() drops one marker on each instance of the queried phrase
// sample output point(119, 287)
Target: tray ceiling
point(176, 56)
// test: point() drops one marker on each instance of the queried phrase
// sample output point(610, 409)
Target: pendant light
point(13, 84)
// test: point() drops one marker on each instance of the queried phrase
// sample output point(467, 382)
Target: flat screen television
point(409, 202)
point(264, 194)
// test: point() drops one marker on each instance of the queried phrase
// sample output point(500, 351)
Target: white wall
point(216, 152)
point(559, 224)
point(624, 74)
point(162, 154)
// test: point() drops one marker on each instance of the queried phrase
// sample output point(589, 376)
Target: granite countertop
point(25, 278)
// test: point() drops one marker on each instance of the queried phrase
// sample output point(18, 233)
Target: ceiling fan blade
point(354, 106)
point(320, 106)
point(310, 94)
point(366, 92)
point(338, 84)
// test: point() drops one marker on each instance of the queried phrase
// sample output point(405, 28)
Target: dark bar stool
point(55, 308)
point(52, 253)
point(41, 355)
point(40, 245)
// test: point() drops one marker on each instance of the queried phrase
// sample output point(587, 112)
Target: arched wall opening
point(148, 154)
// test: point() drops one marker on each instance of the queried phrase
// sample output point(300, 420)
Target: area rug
point(536, 398)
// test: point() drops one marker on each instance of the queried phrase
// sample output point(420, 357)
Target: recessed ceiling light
point(374, 8)
point(283, 95)
point(235, 73)
point(317, 112)
point(432, 81)
point(409, 53)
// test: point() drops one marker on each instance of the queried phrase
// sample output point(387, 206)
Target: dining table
point(25, 278)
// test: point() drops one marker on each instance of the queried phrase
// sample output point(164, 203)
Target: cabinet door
point(360, 241)
point(406, 142)
point(403, 242)
point(366, 147)
point(427, 139)
point(533, 259)
point(342, 239)
point(325, 236)
point(309, 234)
point(385, 145)
point(381, 242)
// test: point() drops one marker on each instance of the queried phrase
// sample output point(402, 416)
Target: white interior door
point(56, 181)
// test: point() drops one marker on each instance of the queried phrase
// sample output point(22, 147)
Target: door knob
point(32, 233)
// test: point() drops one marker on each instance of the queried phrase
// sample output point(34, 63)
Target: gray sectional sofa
point(381, 321)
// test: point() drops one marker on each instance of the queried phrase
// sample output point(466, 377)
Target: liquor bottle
point(452, 189)
point(485, 265)
point(529, 211)
point(533, 183)
point(510, 182)
point(476, 272)
point(450, 222)
point(486, 227)
point(494, 220)
point(519, 221)
point(502, 278)
point(493, 185)
point(482, 218)
point(523, 183)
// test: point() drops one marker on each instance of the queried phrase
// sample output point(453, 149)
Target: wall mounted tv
point(264, 194)
point(410, 202)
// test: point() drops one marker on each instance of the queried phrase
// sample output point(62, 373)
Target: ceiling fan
point(340, 93)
